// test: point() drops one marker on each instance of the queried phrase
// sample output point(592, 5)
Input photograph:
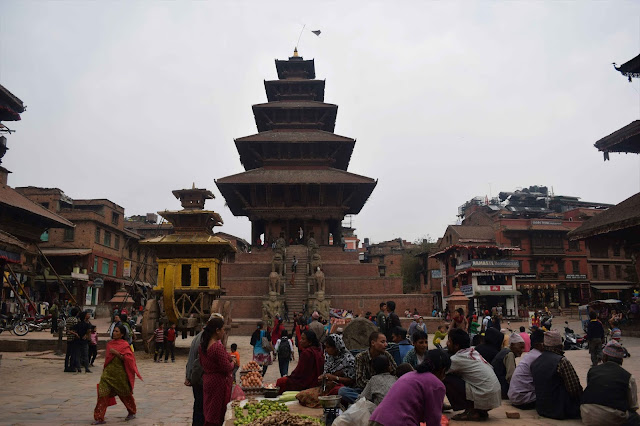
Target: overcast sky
point(447, 100)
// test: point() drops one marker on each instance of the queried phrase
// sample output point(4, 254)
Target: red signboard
point(494, 288)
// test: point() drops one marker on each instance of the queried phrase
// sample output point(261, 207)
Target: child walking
point(236, 359)
point(93, 345)
point(170, 343)
point(441, 333)
point(158, 335)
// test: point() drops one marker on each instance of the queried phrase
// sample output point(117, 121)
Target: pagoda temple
point(296, 174)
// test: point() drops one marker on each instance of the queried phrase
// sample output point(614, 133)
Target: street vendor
point(310, 365)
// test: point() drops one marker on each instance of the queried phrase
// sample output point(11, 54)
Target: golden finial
point(295, 52)
point(193, 185)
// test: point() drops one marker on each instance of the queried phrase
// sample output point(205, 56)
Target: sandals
point(470, 416)
point(129, 417)
point(98, 422)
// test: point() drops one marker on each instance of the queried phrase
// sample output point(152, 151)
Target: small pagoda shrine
point(296, 182)
point(189, 260)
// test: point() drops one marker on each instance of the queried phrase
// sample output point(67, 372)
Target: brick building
point(519, 256)
point(387, 255)
point(617, 230)
point(21, 224)
point(97, 257)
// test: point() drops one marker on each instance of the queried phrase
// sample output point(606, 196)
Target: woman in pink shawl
point(118, 377)
point(217, 365)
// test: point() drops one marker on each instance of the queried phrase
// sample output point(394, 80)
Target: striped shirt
point(70, 324)
point(159, 333)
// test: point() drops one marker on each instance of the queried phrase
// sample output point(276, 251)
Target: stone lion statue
point(277, 263)
point(270, 308)
point(274, 282)
point(321, 305)
point(316, 262)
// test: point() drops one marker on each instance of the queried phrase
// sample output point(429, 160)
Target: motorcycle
point(571, 340)
point(14, 324)
point(39, 323)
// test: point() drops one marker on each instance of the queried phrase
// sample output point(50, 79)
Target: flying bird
point(317, 32)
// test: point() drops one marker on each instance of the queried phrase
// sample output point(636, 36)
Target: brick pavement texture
point(35, 390)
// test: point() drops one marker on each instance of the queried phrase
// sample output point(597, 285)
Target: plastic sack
point(236, 393)
point(357, 415)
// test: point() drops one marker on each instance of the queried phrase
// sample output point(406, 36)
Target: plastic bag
point(236, 393)
point(357, 415)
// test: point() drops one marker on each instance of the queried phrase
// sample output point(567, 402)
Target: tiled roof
point(295, 104)
point(7, 239)
point(12, 199)
point(626, 139)
point(13, 101)
point(300, 136)
point(474, 233)
point(621, 216)
point(66, 251)
point(297, 176)
point(186, 239)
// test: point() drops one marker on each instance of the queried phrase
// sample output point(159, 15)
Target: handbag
point(266, 344)
point(195, 375)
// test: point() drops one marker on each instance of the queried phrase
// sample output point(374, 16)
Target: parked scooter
point(14, 324)
point(571, 340)
point(39, 323)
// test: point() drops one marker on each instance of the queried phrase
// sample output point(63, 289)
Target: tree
point(412, 266)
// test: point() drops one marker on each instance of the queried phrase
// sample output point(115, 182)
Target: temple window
point(186, 275)
point(203, 277)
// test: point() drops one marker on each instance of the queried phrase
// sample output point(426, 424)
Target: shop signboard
point(482, 263)
point(126, 268)
point(495, 288)
point(467, 289)
point(576, 277)
point(526, 276)
point(98, 283)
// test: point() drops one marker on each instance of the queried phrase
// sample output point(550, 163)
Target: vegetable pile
point(288, 419)
point(257, 410)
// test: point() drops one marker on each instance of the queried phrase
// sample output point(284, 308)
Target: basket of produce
point(271, 390)
point(268, 412)
point(251, 383)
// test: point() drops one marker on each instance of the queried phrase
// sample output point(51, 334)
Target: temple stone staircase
point(297, 294)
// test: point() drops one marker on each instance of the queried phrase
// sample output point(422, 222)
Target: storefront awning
point(66, 251)
point(612, 286)
point(497, 293)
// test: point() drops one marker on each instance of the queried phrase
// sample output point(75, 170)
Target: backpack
point(284, 350)
point(195, 375)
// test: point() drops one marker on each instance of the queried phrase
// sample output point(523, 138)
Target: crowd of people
point(406, 383)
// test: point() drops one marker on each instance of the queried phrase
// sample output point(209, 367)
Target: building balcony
point(547, 251)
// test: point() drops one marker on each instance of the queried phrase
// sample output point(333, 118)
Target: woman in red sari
point(277, 330)
point(310, 365)
point(118, 377)
point(217, 365)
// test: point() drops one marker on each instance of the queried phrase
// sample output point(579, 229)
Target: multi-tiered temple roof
point(296, 167)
